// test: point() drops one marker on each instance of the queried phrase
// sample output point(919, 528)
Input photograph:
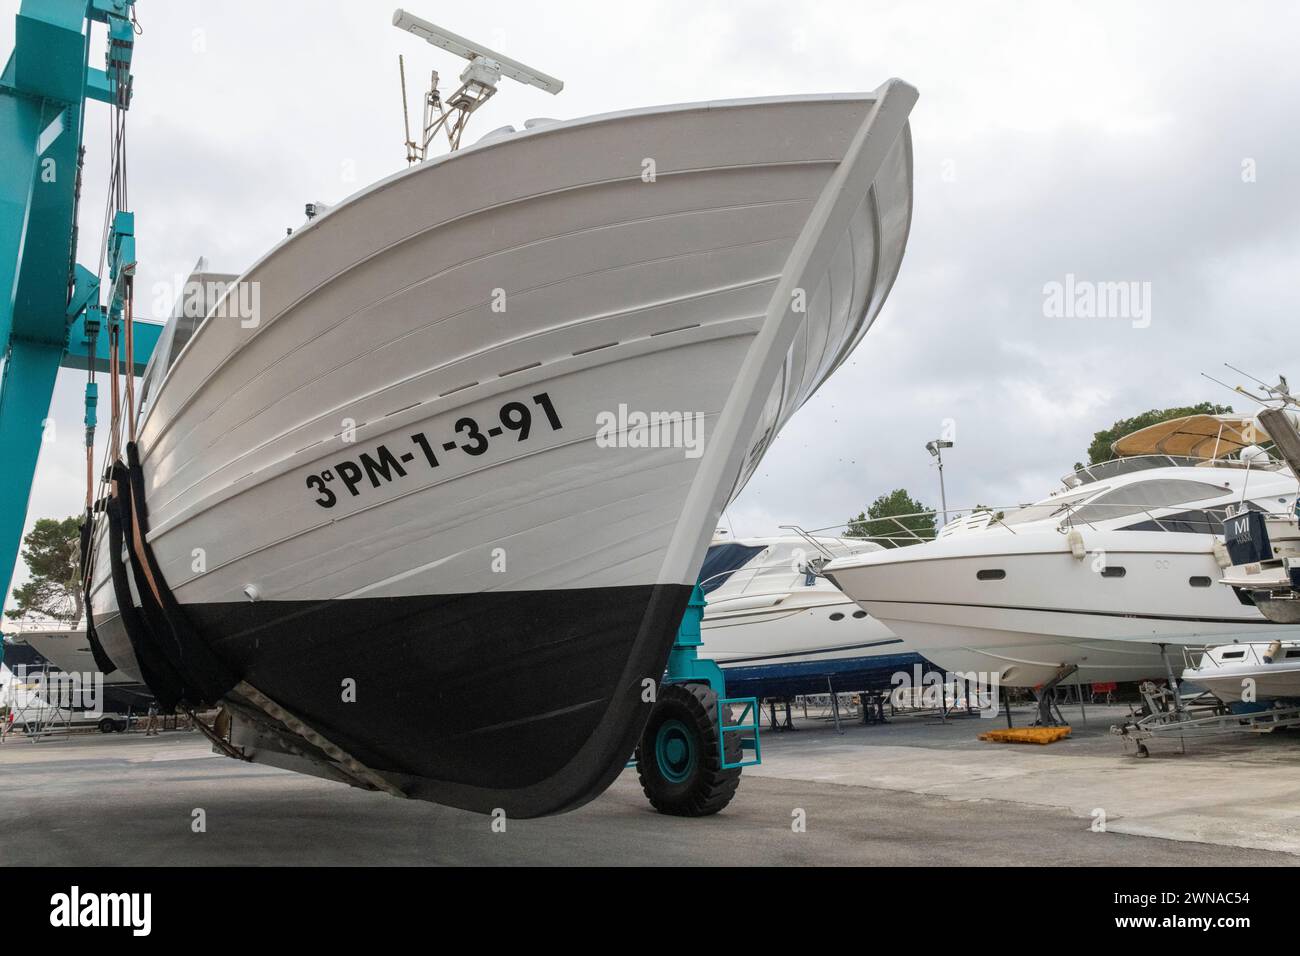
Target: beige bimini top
point(1193, 436)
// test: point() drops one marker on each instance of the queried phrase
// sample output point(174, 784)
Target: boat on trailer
point(382, 518)
point(1249, 672)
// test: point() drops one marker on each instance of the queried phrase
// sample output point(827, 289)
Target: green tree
point(52, 550)
point(894, 533)
point(1099, 450)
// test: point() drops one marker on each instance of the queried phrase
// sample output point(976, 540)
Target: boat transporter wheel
point(679, 761)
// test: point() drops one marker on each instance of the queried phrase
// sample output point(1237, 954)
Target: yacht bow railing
point(785, 570)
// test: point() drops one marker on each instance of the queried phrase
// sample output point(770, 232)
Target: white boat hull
point(353, 470)
point(800, 629)
point(1266, 685)
point(1249, 673)
point(70, 652)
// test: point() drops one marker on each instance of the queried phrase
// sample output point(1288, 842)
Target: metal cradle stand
point(38, 716)
point(1049, 714)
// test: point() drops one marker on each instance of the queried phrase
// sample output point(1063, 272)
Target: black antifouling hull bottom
point(528, 701)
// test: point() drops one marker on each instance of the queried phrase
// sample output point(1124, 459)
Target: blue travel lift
point(693, 746)
point(52, 312)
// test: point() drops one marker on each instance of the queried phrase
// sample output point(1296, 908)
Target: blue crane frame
point(51, 310)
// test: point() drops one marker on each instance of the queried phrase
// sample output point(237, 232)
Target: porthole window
point(1234, 655)
point(991, 574)
point(1113, 572)
point(861, 614)
point(1199, 581)
point(837, 616)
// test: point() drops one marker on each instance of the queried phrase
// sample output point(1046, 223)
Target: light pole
point(936, 448)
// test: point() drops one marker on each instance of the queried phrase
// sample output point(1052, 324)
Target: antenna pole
point(1247, 374)
point(413, 154)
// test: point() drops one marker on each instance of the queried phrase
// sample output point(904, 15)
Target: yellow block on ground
point(1027, 735)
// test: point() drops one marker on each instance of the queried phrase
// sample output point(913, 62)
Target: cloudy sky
point(1151, 143)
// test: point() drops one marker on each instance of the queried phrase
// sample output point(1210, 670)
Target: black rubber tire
point(706, 788)
point(107, 725)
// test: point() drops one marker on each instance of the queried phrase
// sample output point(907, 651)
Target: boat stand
point(38, 716)
point(873, 707)
point(1049, 714)
point(1169, 676)
point(835, 705)
point(787, 723)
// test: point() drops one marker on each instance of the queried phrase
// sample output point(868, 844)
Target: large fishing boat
point(422, 499)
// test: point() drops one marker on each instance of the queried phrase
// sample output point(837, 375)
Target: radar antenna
point(478, 84)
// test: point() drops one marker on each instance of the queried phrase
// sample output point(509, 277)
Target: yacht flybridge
point(1089, 582)
point(405, 440)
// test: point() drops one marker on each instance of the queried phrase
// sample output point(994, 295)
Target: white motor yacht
point(1122, 559)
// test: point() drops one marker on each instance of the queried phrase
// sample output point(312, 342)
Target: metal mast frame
point(51, 313)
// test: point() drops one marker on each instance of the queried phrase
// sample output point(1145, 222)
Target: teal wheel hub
point(675, 751)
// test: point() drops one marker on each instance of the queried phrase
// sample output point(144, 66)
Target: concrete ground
point(914, 792)
point(1241, 791)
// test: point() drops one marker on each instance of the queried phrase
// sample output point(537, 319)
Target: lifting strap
point(155, 668)
point(206, 677)
point(186, 668)
point(103, 663)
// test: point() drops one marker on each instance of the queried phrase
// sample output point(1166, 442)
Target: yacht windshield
point(1208, 521)
point(1144, 496)
point(1050, 508)
point(722, 561)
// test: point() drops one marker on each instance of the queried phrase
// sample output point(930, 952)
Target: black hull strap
point(156, 670)
point(103, 663)
point(176, 663)
point(207, 677)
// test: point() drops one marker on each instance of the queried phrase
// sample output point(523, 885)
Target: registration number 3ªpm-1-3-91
point(384, 465)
